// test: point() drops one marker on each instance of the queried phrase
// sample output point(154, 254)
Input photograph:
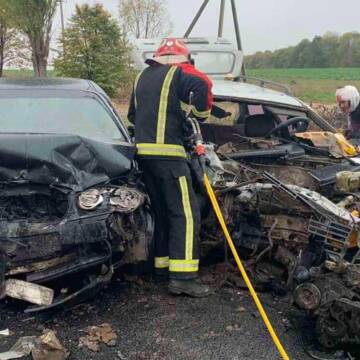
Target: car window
point(284, 114)
point(84, 116)
point(209, 62)
point(214, 62)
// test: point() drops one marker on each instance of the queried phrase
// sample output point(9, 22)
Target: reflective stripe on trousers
point(162, 262)
point(161, 150)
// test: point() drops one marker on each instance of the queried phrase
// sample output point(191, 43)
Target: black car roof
point(52, 83)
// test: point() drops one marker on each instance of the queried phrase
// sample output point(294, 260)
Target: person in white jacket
point(348, 99)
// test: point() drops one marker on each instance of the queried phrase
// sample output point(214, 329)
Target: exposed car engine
point(309, 243)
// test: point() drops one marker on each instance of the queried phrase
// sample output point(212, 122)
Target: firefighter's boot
point(191, 287)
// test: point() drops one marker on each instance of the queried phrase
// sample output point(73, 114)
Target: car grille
point(33, 206)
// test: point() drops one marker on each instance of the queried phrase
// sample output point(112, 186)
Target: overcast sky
point(264, 24)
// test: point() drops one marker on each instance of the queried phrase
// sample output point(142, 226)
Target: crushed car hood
point(65, 161)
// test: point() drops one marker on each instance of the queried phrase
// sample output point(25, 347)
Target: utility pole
point(196, 18)
point(237, 33)
point(221, 19)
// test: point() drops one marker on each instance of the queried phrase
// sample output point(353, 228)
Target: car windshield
point(209, 62)
point(76, 115)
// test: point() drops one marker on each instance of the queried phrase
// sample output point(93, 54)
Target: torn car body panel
point(278, 226)
point(68, 162)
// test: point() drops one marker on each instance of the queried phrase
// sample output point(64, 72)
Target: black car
point(71, 206)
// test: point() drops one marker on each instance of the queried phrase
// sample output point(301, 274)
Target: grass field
point(312, 85)
point(24, 73)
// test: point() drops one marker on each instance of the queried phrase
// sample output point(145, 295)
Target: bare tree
point(4, 34)
point(34, 18)
point(17, 50)
point(144, 18)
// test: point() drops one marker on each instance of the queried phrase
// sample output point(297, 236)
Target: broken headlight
point(120, 199)
point(125, 199)
point(90, 199)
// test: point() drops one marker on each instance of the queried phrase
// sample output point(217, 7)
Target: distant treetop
point(329, 50)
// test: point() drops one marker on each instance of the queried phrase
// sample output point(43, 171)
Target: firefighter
point(160, 94)
point(348, 100)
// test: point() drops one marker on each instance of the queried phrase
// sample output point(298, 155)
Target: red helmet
point(172, 46)
point(171, 51)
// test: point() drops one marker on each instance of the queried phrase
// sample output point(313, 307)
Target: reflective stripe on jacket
point(156, 109)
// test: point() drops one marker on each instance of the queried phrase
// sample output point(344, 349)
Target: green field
point(311, 85)
point(23, 73)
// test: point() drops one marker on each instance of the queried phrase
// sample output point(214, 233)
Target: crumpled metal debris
point(337, 145)
point(45, 347)
point(48, 347)
point(33, 293)
point(96, 334)
point(5, 332)
point(21, 348)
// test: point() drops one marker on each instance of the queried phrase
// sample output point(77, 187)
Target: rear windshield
point(79, 115)
point(209, 62)
point(214, 62)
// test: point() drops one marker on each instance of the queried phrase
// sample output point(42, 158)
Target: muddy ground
point(153, 325)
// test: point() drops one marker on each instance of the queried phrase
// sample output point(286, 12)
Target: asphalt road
point(153, 325)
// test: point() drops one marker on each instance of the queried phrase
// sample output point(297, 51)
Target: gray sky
point(264, 24)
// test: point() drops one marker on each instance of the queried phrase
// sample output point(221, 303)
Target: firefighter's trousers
point(177, 216)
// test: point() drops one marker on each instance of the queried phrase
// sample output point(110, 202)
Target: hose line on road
point(242, 270)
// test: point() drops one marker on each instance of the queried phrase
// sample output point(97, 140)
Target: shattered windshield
point(56, 114)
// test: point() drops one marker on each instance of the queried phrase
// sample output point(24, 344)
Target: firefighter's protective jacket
point(160, 94)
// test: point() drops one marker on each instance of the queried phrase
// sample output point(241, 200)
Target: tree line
point(94, 45)
point(330, 50)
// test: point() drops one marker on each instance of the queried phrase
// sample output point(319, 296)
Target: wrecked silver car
point(294, 241)
point(266, 127)
point(70, 203)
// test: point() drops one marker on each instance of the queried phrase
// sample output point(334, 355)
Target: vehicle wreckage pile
point(74, 227)
point(296, 239)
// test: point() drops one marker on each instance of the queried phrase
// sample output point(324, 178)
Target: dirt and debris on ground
point(138, 319)
point(45, 347)
point(98, 334)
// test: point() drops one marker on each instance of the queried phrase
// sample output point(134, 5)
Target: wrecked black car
point(70, 203)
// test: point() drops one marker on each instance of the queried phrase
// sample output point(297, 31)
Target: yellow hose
point(256, 299)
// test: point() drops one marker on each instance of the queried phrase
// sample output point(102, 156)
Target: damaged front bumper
point(116, 231)
point(70, 213)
